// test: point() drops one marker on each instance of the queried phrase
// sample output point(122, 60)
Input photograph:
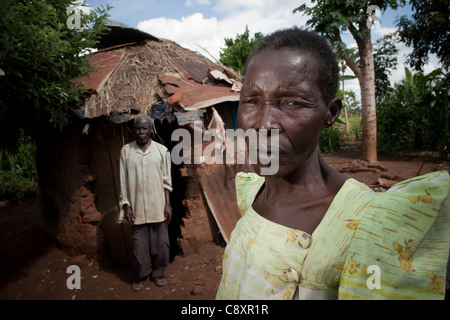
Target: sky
point(202, 25)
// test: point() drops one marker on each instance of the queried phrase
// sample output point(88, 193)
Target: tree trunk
point(369, 116)
point(365, 72)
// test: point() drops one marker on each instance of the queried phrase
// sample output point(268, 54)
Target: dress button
point(305, 240)
point(291, 275)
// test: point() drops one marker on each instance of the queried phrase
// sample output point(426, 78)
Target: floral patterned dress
point(369, 245)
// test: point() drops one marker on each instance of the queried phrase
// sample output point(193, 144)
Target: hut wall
point(106, 141)
point(67, 209)
point(198, 226)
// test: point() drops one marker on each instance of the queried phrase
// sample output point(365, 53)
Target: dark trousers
point(151, 250)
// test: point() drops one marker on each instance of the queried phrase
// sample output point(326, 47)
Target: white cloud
point(238, 5)
point(189, 32)
point(209, 33)
point(193, 3)
point(383, 31)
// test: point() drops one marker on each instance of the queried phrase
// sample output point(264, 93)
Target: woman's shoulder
point(407, 228)
point(415, 203)
point(247, 178)
point(429, 194)
point(430, 188)
point(439, 180)
point(433, 182)
point(247, 186)
point(246, 182)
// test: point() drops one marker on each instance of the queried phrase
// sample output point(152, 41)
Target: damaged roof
point(119, 33)
point(196, 86)
point(138, 73)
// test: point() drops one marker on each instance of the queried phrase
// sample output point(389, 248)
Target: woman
point(308, 232)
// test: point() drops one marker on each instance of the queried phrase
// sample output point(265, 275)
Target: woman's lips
point(268, 151)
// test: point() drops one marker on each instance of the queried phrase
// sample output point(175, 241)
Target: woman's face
point(281, 91)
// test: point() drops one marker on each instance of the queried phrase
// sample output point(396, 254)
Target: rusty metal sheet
point(195, 95)
point(104, 64)
point(193, 70)
point(218, 186)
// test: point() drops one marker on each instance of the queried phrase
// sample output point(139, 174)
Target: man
point(145, 181)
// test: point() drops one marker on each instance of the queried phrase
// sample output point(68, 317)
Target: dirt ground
point(32, 267)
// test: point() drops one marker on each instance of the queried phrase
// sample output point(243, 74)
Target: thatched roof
point(126, 78)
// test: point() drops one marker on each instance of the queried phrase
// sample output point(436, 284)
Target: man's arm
point(124, 203)
point(167, 180)
point(168, 207)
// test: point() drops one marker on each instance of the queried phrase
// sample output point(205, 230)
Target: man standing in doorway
point(145, 181)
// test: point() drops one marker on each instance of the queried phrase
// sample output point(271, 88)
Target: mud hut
point(134, 73)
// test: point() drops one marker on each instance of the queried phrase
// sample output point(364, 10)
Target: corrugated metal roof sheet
point(191, 95)
point(104, 64)
point(219, 189)
point(196, 85)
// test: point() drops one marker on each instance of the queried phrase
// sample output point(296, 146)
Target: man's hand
point(128, 214)
point(168, 207)
point(168, 214)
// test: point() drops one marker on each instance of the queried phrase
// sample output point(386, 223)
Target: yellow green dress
point(369, 245)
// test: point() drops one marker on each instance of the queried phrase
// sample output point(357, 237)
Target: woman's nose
point(267, 118)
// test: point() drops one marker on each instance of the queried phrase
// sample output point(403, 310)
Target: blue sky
point(208, 22)
point(132, 12)
point(202, 25)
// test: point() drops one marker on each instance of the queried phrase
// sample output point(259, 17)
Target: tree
point(237, 51)
point(41, 52)
point(385, 59)
point(428, 32)
point(417, 113)
point(330, 18)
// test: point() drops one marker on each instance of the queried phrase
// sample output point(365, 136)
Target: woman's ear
point(334, 109)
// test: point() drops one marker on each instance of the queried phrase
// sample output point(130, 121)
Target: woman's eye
point(250, 101)
point(292, 103)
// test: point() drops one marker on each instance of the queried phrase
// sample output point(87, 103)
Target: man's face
point(281, 91)
point(142, 130)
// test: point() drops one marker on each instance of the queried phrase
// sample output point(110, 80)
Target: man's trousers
point(151, 250)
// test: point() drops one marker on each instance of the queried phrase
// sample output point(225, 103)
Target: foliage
point(356, 129)
point(39, 58)
point(237, 51)
point(18, 171)
point(428, 32)
point(385, 60)
point(23, 160)
point(331, 140)
point(350, 100)
point(14, 186)
point(416, 115)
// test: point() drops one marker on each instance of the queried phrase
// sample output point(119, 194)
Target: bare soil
point(33, 267)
